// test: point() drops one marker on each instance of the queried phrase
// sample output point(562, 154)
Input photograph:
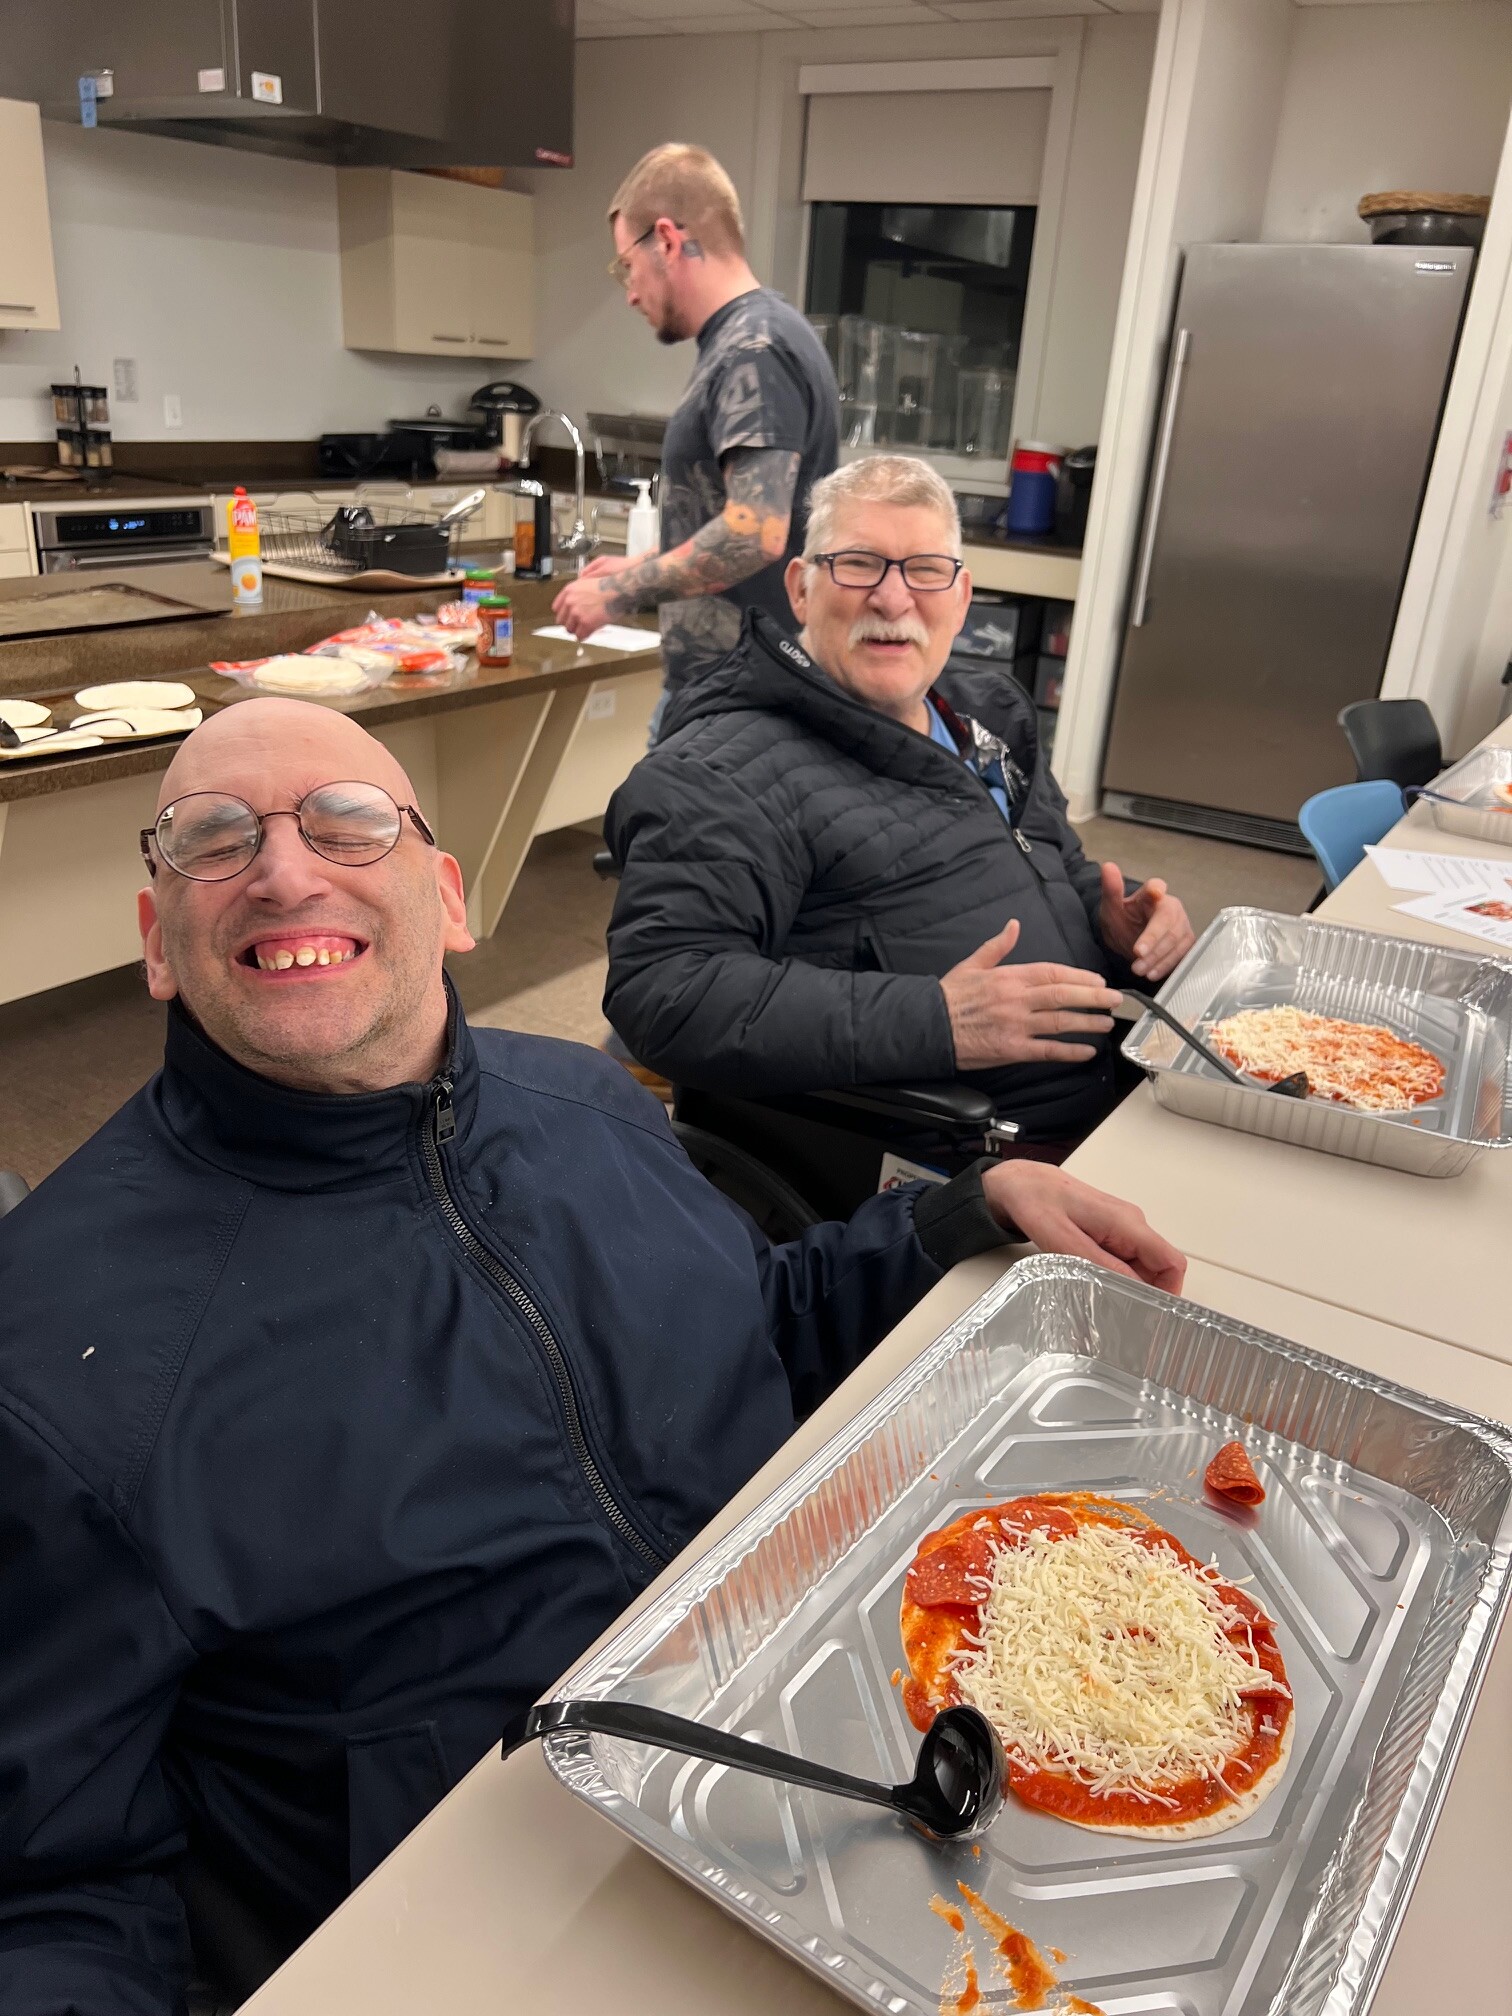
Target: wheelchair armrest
point(605, 866)
point(12, 1189)
point(957, 1109)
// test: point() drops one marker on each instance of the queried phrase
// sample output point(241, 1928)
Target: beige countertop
point(512, 1895)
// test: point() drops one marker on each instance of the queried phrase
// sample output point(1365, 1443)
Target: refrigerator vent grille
point(1244, 827)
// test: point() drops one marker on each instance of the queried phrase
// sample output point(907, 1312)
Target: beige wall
point(1110, 113)
point(1386, 97)
point(594, 353)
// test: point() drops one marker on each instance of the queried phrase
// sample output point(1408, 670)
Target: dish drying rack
point(360, 537)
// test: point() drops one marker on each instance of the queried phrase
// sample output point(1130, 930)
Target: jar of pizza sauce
point(496, 645)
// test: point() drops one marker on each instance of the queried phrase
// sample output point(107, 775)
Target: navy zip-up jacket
point(331, 1431)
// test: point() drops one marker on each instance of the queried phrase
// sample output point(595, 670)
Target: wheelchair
point(793, 1162)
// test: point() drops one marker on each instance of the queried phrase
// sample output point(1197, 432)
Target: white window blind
point(926, 147)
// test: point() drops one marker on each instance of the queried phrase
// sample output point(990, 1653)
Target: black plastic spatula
point(956, 1790)
point(1294, 1087)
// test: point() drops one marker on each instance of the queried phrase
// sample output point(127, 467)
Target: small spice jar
point(496, 645)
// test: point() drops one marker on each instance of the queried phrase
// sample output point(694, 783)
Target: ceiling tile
point(750, 21)
point(681, 10)
point(1132, 6)
point(1015, 10)
point(863, 17)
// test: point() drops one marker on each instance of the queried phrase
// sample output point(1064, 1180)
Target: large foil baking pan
point(1457, 1004)
point(1382, 1550)
point(1465, 799)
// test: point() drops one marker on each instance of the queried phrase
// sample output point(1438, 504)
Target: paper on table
point(611, 637)
point(1438, 874)
point(1478, 914)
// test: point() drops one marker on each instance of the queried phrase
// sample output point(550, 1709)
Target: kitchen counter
point(101, 490)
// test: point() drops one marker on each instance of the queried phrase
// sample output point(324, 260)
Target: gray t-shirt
point(762, 380)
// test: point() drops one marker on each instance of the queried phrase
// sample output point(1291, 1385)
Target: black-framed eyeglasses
point(210, 836)
point(924, 573)
point(619, 266)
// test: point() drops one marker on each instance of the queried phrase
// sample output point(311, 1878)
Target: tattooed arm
point(749, 534)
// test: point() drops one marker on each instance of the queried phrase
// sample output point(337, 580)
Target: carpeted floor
point(68, 1059)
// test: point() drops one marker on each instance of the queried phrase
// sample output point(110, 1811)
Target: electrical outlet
point(601, 704)
point(173, 410)
point(124, 376)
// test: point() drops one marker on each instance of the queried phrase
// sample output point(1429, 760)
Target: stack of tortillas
point(131, 707)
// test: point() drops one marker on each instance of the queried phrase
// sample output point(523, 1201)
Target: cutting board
point(370, 577)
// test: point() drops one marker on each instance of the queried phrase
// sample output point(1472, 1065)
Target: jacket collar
point(770, 671)
point(307, 1141)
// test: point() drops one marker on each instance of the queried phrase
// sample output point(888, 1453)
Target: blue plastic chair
point(1340, 824)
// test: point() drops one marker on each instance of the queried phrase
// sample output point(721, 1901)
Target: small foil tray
point(1382, 1550)
point(1465, 799)
point(1456, 1004)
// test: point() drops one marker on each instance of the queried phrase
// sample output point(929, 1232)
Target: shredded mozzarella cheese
point(1354, 1063)
point(1109, 1660)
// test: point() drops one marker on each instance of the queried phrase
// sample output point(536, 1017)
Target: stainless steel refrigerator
point(1302, 398)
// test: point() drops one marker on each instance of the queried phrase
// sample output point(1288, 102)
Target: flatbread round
point(134, 693)
point(1135, 1691)
point(296, 672)
point(122, 723)
point(36, 744)
point(25, 713)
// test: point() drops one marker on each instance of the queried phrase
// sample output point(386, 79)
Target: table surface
point(512, 1892)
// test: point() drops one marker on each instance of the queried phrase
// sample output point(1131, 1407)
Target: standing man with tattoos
point(758, 424)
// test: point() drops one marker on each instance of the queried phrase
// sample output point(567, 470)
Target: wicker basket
point(1405, 202)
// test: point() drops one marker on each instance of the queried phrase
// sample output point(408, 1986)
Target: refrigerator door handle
point(1157, 480)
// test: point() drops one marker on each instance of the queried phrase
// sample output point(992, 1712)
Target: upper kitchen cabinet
point(432, 266)
point(28, 287)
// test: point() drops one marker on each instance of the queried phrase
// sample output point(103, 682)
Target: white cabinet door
point(432, 266)
point(28, 286)
point(14, 565)
point(501, 232)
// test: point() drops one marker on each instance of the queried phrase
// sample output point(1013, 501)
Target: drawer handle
point(499, 342)
point(18, 307)
point(438, 338)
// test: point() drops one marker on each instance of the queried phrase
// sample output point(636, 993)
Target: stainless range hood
point(478, 83)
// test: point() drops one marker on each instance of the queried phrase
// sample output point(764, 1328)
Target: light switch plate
point(123, 371)
point(173, 411)
point(601, 704)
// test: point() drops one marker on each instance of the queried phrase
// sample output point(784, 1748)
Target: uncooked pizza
point(1134, 1689)
point(1352, 1063)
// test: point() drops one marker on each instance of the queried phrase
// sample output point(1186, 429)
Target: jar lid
point(495, 602)
point(480, 573)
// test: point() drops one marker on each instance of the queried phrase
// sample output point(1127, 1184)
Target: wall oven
point(123, 533)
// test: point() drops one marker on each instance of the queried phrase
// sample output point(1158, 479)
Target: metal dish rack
point(403, 538)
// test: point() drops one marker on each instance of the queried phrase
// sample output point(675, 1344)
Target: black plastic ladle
point(956, 1790)
point(1294, 1087)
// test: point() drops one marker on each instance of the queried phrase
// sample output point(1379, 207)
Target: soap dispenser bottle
point(642, 531)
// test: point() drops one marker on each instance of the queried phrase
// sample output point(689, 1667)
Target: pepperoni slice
point(1231, 1475)
point(953, 1576)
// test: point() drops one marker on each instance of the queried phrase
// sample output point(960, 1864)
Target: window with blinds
point(979, 147)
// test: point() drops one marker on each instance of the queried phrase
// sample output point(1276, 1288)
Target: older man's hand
point(1014, 1014)
point(583, 606)
point(1150, 928)
point(1063, 1215)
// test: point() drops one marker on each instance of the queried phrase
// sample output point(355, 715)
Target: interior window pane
point(921, 306)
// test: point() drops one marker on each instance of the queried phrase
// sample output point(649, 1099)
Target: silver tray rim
point(1385, 1901)
point(1134, 1043)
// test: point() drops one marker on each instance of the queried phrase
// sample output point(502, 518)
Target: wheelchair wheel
point(776, 1206)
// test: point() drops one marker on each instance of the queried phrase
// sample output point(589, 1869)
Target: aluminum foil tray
point(1476, 812)
point(1458, 1005)
point(1382, 1549)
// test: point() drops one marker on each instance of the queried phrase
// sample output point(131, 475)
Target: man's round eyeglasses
point(619, 268)
point(924, 573)
point(210, 836)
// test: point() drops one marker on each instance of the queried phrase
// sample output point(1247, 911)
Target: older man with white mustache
point(846, 865)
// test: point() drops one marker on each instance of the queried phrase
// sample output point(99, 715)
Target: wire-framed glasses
point(209, 836)
point(619, 266)
point(924, 573)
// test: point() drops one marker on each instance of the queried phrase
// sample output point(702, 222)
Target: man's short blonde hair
point(688, 185)
point(879, 479)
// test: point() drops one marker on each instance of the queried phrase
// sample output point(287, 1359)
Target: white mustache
point(874, 630)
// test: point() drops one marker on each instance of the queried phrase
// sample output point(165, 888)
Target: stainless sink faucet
point(580, 541)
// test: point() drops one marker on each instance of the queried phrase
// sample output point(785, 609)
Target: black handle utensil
point(1294, 1087)
point(9, 739)
point(956, 1790)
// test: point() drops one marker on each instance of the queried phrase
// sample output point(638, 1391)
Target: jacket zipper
point(443, 1128)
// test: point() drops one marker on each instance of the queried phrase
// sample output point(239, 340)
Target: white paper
point(1478, 914)
point(1437, 874)
point(612, 637)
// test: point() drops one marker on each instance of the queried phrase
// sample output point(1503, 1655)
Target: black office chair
point(1393, 740)
point(12, 1189)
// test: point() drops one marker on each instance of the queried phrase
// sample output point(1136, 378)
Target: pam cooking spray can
point(245, 548)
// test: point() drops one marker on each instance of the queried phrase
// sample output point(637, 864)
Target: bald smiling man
point(355, 1376)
